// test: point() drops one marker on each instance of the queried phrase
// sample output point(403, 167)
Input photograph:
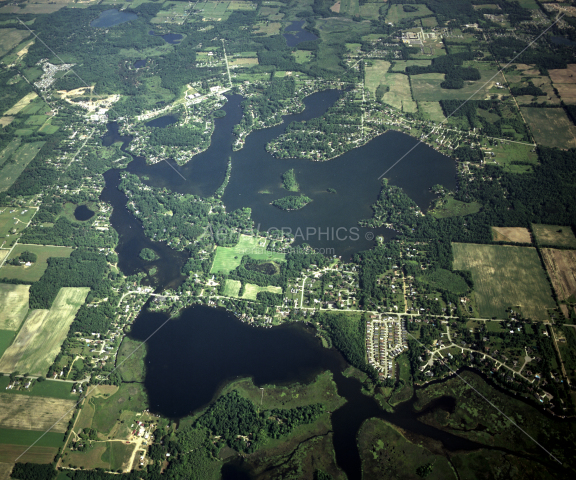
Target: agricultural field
point(397, 13)
point(34, 413)
point(13, 305)
point(505, 276)
point(251, 291)
point(432, 110)
point(5, 470)
point(563, 75)
point(228, 258)
point(12, 221)
point(511, 234)
point(400, 65)
point(426, 87)
point(21, 104)
point(10, 436)
point(556, 235)
point(551, 127)
point(506, 153)
point(35, 271)
point(561, 267)
point(9, 150)
point(9, 454)
point(243, 61)
point(567, 93)
point(10, 37)
point(47, 388)
point(176, 12)
point(40, 338)
point(22, 157)
point(36, 7)
point(268, 28)
point(398, 84)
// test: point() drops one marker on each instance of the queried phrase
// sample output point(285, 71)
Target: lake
point(139, 63)
point(162, 122)
point(173, 38)
point(109, 18)
point(297, 34)
point(562, 41)
point(191, 358)
point(82, 213)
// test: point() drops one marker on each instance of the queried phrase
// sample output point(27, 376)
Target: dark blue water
point(299, 34)
point(139, 63)
point(562, 41)
point(112, 17)
point(162, 122)
point(173, 38)
point(82, 213)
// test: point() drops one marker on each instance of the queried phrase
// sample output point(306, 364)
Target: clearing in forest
point(511, 234)
point(561, 267)
point(228, 258)
point(557, 235)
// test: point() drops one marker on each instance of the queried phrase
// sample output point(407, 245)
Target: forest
point(289, 181)
point(292, 202)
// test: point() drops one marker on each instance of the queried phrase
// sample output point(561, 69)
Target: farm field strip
point(561, 267)
point(42, 334)
point(22, 412)
point(37, 269)
point(13, 305)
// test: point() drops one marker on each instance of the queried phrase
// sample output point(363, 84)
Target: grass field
point(228, 258)
point(561, 267)
point(399, 95)
point(131, 358)
point(432, 110)
point(108, 410)
point(400, 65)
point(6, 339)
point(35, 271)
point(22, 157)
point(108, 455)
point(40, 338)
point(28, 437)
point(21, 104)
point(455, 208)
point(9, 150)
point(550, 126)
point(506, 153)
point(47, 388)
point(557, 235)
point(232, 288)
point(511, 234)
point(9, 454)
point(13, 305)
point(243, 61)
point(427, 88)
point(13, 223)
point(505, 276)
point(10, 38)
point(302, 56)
point(397, 13)
point(5, 470)
point(251, 291)
point(34, 413)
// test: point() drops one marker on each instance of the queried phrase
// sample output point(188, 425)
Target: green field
point(22, 157)
point(28, 437)
point(130, 360)
point(40, 338)
point(11, 224)
point(232, 288)
point(506, 276)
point(426, 87)
point(13, 305)
point(35, 271)
point(129, 397)
point(397, 13)
point(398, 95)
point(47, 388)
point(10, 38)
point(556, 235)
point(400, 65)
point(228, 258)
point(450, 207)
point(251, 291)
point(9, 150)
point(6, 339)
point(550, 126)
point(302, 56)
point(506, 153)
point(432, 110)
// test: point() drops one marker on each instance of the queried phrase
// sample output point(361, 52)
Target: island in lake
point(292, 202)
point(289, 181)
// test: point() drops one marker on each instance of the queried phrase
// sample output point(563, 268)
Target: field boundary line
point(424, 137)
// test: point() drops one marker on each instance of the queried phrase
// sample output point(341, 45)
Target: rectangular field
point(22, 157)
point(232, 288)
point(427, 88)
point(557, 235)
point(9, 454)
point(47, 388)
point(252, 290)
point(511, 234)
point(35, 271)
point(550, 126)
point(432, 110)
point(561, 267)
point(398, 85)
point(10, 436)
point(228, 258)
point(34, 413)
point(505, 276)
point(42, 334)
point(9, 150)
point(13, 305)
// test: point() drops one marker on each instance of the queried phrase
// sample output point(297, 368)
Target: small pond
point(173, 38)
point(296, 34)
point(82, 213)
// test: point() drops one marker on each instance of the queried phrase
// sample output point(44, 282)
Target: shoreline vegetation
point(292, 202)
